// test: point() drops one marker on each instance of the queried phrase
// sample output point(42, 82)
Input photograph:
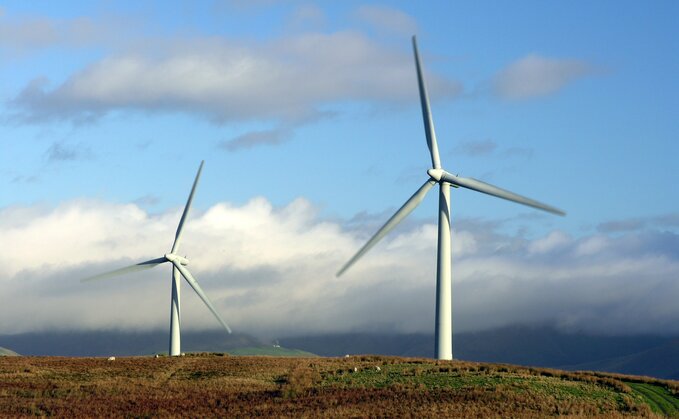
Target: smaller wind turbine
point(445, 180)
point(178, 267)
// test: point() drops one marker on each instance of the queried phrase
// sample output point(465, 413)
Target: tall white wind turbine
point(444, 318)
point(178, 267)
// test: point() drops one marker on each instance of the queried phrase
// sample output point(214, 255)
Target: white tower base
point(444, 305)
point(175, 339)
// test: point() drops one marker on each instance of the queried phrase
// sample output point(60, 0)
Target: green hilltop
point(7, 352)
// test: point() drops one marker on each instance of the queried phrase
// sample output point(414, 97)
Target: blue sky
point(110, 104)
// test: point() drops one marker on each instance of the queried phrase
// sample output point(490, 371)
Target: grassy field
point(202, 385)
point(659, 398)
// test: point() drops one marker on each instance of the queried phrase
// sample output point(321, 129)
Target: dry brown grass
point(211, 385)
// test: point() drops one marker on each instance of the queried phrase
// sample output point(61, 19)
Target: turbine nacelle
point(176, 258)
point(436, 174)
point(440, 175)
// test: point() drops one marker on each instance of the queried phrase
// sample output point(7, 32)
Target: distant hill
point(7, 352)
point(118, 343)
point(547, 346)
point(661, 361)
point(655, 356)
point(421, 345)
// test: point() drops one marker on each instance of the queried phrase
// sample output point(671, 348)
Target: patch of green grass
point(204, 375)
point(433, 377)
point(659, 398)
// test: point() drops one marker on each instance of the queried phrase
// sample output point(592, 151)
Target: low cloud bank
point(272, 270)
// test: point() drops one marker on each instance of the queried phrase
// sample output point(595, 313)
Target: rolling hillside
point(228, 386)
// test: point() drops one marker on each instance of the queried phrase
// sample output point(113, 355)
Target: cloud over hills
point(271, 271)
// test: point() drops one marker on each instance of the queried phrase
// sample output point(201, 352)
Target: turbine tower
point(437, 175)
point(178, 268)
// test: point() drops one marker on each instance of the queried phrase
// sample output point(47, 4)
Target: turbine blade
point(194, 284)
point(489, 189)
point(187, 208)
point(133, 268)
point(402, 213)
point(426, 112)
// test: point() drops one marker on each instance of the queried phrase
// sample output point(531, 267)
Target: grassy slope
point(7, 352)
point(659, 398)
point(211, 385)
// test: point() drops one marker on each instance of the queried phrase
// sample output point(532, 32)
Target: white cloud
point(592, 245)
point(533, 76)
point(307, 15)
point(271, 271)
point(256, 138)
point(24, 33)
point(664, 221)
point(387, 19)
point(286, 80)
point(553, 241)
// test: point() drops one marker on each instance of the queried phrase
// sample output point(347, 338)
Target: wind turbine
point(178, 267)
point(444, 314)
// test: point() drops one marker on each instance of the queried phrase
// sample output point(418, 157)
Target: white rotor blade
point(194, 284)
point(426, 112)
point(133, 268)
point(187, 208)
point(402, 213)
point(489, 189)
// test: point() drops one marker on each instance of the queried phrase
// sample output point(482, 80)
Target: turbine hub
point(176, 258)
point(436, 174)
